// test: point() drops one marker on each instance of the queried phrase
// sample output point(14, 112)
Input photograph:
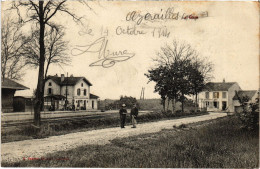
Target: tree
point(12, 61)
point(41, 13)
point(159, 76)
point(56, 48)
point(179, 72)
point(128, 101)
point(201, 70)
point(177, 60)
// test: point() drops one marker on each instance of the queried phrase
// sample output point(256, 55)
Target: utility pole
point(142, 94)
point(66, 101)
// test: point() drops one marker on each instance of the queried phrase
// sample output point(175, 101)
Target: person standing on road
point(134, 113)
point(123, 113)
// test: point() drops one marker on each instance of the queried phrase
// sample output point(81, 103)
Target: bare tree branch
point(12, 62)
point(56, 9)
point(41, 15)
point(56, 48)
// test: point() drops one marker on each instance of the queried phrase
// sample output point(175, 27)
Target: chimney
point(62, 77)
point(56, 75)
point(224, 80)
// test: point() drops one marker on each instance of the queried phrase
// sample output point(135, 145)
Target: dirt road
point(37, 148)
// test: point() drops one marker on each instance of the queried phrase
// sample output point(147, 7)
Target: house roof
point(26, 97)
point(10, 84)
point(92, 96)
point(218, 86)
point(70, 81)
point(243, 93)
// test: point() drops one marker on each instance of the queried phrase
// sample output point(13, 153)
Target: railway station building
point(69, 93)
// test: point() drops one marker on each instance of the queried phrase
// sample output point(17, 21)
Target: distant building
point(252, 95)
point(23, 103)
point(218, 96)
point(75, 89)
point(223, 96)
point(9, 88)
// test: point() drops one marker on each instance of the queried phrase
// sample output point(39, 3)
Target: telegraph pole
point(66, 101)
point(142, 94)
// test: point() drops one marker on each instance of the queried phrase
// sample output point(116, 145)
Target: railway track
point(53, 120)
point(57, 120)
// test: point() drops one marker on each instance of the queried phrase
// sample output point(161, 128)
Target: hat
point(123, 105)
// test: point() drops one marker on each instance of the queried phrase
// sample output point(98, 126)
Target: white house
point(76, 90)
point(218, 96)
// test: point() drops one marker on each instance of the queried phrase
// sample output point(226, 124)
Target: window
point(81, 84)
point(78, 92)
point(50, 84)
point(215, 95)
point(207, 95)
point(49, 91)
point(85, 92)
point(207, 104)
point(224, 95)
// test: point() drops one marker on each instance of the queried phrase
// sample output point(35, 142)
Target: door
point(19, 105)
point(93, 104)
point(84, 104)
point(215, 104)
point(224, 105)
point(78, 105)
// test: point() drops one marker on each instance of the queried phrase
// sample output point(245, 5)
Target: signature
point(106, 58)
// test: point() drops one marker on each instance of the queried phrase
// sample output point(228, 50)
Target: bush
point(249, 117)
point(182, 126)
point(202, 111)
point(167, 113)
point(178, 111)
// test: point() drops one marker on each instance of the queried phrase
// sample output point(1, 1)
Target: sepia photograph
point(130, 84)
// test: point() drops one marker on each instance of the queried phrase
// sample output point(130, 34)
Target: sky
point(228, 37)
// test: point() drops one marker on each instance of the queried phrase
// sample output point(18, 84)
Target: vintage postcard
point(130, 84)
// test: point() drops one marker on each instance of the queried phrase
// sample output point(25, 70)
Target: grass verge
point(65, 127)
point(219, 143)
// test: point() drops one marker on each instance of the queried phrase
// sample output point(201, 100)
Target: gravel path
point(37, 148)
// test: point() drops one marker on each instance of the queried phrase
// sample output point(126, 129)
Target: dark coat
point(122, 111)
point(134, 111)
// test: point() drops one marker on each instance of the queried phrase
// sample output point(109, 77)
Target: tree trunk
point(196, 102)
point(40, 86)
point(163, 103)
point(173, 106)
point(45, 76)
point(182, 103)
point(168, 102)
